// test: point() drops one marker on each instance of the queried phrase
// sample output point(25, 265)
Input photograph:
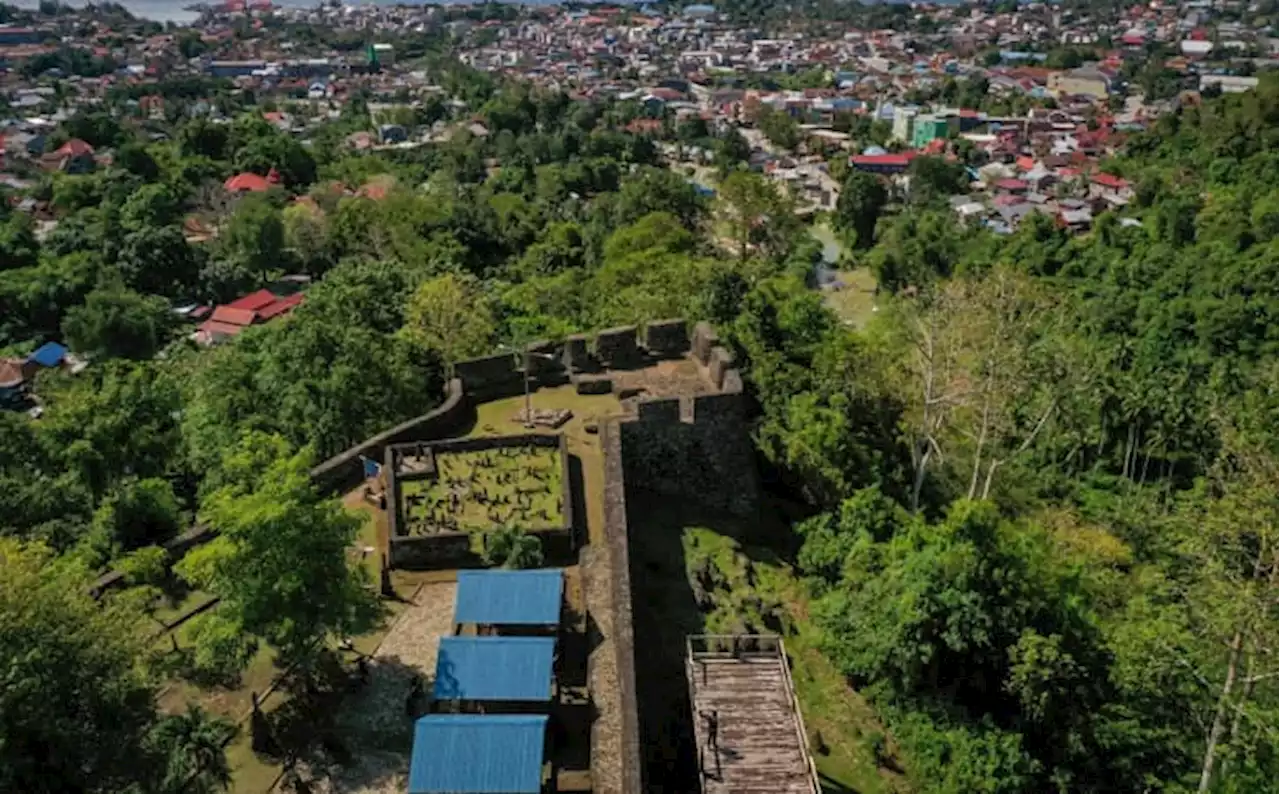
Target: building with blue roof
point(510, 669)
point(509, 598)
point(478, 754)
point(50, 354)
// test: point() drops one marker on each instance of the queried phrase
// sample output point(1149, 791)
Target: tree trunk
point(917, 483)
point(1245, 694)
point(977, 455)
point(1220, 714)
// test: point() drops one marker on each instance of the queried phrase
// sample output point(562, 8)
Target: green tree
point(117, 323)
point(778, 126)
point(755, 216)
point(77, 702)
point(933, 178)
point(135, 514)
point(862, 199)
point(18, 244)
point(254, 237)
point(192, 744)
point(306, 234)
point(512, 547)
point(114, 420)
point(279, 563)
point(450, 315)
point(731, 150)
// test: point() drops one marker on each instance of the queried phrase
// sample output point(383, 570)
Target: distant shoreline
point(176, 11)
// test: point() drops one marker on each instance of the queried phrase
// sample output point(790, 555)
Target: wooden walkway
point(758, 744)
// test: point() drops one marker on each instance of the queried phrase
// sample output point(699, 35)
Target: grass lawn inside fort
point(483, 490)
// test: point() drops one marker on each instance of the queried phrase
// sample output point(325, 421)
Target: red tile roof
point(226, 314)
point(74, 148)
point(213, 327)
point(904, 158)
point(282, 306)
point(247, 182)
point(1109, 180)
point(253, 301)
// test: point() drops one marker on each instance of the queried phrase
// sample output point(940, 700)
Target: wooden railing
point(742, 646)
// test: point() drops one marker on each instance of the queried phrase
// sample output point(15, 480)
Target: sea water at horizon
point(176, 11)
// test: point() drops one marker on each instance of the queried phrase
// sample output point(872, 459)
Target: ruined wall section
point(696, 447)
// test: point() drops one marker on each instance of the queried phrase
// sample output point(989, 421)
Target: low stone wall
point(175, 548)
point(618, 347)
point(345, 470)
point(448, 550)
point(666, 338)
point(488, 371)
point(445, 550)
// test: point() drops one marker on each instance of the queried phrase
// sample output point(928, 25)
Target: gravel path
point(381, 733)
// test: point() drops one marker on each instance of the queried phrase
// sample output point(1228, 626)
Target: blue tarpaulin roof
point(466, 753)
point(50, 354)
point(509, 598)
point(494, 668)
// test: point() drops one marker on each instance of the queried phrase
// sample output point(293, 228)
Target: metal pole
point(528, 401)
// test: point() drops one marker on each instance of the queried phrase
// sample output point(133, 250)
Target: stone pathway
point(380, 732)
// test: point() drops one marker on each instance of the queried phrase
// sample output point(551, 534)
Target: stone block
point(667, 338)
point(704, 339)
point(721, 361)
point(593, 385)
point(478, 373)
point(546, 358)
point(577, 355)
point(666, 410)
point(616, 347)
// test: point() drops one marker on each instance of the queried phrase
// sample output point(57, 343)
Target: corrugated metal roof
point(457, 754)
point(510, 598)
point(253, 301)
point(50, 354)
point(494, 668)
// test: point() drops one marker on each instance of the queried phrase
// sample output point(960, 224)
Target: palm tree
point(192, 748)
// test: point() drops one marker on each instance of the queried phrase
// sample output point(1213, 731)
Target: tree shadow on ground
point(356, 732)
point(830, 786)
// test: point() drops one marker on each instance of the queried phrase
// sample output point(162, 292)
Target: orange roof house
point(249, 182)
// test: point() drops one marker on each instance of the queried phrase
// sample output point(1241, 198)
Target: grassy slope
point(855, 302)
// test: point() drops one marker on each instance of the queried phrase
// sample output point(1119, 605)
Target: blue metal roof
point(466, 753)
point(509, 598)
point(494, 668)
point(50, 354)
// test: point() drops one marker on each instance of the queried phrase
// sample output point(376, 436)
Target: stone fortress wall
point(692, 443)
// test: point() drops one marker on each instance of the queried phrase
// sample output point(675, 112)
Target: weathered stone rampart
point(345, 470)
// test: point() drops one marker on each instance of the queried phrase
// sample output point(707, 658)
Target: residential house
point(12, 382)
point(74, 157)
point(232, 318)
point(1084, 81)
point(249, 182)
